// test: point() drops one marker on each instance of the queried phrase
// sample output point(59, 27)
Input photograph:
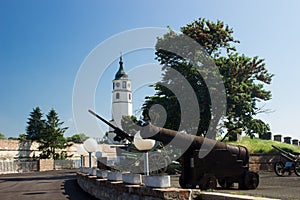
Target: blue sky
point(44, 43)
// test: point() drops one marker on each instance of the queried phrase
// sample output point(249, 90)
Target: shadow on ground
point(74, 192)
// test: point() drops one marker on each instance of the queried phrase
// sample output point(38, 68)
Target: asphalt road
point(272, 186)
point(286, 188)
point(59, 185)
point(56, 185)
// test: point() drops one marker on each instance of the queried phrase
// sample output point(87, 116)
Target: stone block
point(278, 138)
point(114, 176)
point(157, 181)
point(295, 142)
point(131, 178)
point(46, 164)
point(287, 140)
point(101, 173)
point(266, 136)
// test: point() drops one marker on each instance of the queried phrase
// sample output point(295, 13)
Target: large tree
point(35, 125)
point(52, 137)
point(243, 77)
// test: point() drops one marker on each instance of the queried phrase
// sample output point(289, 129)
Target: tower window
point(117, 95)
point(124, 84)
point(129, 96)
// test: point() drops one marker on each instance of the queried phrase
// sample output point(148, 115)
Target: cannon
point(158, 159)
point(223, 163)
point(292, 163)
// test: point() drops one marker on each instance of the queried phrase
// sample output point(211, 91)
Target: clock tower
point(121, 96)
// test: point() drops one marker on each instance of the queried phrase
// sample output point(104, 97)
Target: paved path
point(56, 185)
point(272, 186)
point(61, 185)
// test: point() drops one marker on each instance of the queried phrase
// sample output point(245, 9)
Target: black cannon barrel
point(182, 139)
point(288, 155)
point(119, 132)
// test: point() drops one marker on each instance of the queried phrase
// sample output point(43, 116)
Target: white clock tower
point(121, 96)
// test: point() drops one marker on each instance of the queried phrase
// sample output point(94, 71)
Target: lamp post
point(90, 145)
point(81, 151)
point(143, 145)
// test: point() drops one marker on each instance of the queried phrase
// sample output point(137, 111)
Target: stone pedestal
point(93, 172)
point(101, 173)
point(114, 176)
point(130, 178)
point(157, 181)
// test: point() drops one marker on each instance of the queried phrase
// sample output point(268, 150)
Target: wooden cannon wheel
point(250, 181)
point(297, 168)
point(224, 183)
point(279, 168)
point(208, 181)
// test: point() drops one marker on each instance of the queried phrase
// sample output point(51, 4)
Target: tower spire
point(121, 74)
point(121, 61)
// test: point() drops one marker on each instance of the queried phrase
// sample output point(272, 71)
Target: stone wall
point(46, 164)
point(12, 149)
point(264, 161)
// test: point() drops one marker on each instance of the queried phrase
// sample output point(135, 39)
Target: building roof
point(121, 74)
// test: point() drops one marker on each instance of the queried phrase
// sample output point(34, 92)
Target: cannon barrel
point(289, 156)
point(119, 132)
point(181, 139)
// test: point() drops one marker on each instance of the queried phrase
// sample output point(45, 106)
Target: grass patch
point(256, 145)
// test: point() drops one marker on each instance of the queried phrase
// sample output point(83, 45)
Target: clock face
point(118, 84)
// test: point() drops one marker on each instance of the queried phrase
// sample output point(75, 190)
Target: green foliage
point(49, 133)
point(13, 138)
point(52, 137)
point(244, 80)
point(2, 136)
point(256, 145)
point(22, 137)
point(35, 125)
point(77, 138)
point(243, 77)
point(130, 124)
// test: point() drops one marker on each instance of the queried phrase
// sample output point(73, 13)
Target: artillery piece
point(158, 159)
point(223, 163)
point(292, 163)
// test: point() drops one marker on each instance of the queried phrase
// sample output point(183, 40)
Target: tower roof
point(121, 74)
